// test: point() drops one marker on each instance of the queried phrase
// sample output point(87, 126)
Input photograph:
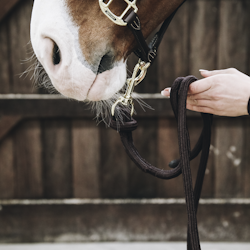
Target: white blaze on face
point(73, 77)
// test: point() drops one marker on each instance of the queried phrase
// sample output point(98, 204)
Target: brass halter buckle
point(139, 74)
point(114, 18)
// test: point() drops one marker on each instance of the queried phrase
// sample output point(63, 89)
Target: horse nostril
point(56, 56)
point(106, 63)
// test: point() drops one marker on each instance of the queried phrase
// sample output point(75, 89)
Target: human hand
point(221, 92)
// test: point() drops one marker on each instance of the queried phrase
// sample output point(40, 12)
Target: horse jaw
point(73, 76)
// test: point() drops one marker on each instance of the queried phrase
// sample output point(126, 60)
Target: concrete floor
point(125, 246)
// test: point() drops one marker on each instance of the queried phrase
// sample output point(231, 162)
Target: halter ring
point(114, 18)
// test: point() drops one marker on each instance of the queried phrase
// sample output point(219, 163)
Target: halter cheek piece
point(179, 90)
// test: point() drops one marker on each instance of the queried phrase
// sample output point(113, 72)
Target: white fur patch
point(73, 76)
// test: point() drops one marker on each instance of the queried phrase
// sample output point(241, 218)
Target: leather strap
point(147, 52)
point(178, 101)
point(134, 24)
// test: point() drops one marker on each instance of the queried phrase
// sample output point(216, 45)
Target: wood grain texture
point(128, 220)
point(57, 167)
point(209, 179)
point(7, 123)
point(6, 6)
point(233, 44)
point(145, 140)
point(203, 35)
point(28, 160)
point(5, 74)
point(55, 106)
point(113, 172)
point(7, 170)
point(229, 144)
point(20, 49)
point(229, 133)
point(173, 51)
point(204, 29)
point(85, 159)
point(168, 150)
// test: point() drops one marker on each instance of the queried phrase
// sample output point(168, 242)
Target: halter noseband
point(117, 19)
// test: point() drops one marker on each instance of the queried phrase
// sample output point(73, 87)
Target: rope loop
point(178, 98)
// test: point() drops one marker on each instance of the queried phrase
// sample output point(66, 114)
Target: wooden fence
point(62, 156)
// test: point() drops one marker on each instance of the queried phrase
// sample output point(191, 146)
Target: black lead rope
point(178, 98)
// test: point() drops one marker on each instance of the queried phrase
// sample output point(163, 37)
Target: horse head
point(84, 53)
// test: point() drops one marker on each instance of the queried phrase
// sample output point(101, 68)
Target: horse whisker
point(101, 108)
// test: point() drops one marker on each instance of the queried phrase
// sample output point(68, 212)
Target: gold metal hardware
point(114, 18)
point(138, 75)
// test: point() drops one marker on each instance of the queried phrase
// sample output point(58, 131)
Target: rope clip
point(139, 73)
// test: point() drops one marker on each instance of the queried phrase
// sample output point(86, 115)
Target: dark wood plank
point(114, 220)
point(232, 52)
point(7, 176)
point(5, 74)
point(172, 62)
point(173, 51)
point(57, 164)
point(20, 49)
point(53, 105)
point(203, 37)
point(7, 123)
point(113, 172)
point(229, 142)
point(86, 159)
point(141, 185)
point(204, 29)
point(168, 150)
point(234, 35)
point(28, 160)
point(131, 62)
point(6, 6)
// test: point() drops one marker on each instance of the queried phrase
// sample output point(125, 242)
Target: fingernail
point(166, 92)
point(162, 92)
point(202, 70)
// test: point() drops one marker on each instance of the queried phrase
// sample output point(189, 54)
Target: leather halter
point(179, 90)
point(146, 52)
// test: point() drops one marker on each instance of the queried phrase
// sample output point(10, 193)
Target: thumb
point(207, 73)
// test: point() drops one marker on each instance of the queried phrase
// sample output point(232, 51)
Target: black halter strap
point(147, 52)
